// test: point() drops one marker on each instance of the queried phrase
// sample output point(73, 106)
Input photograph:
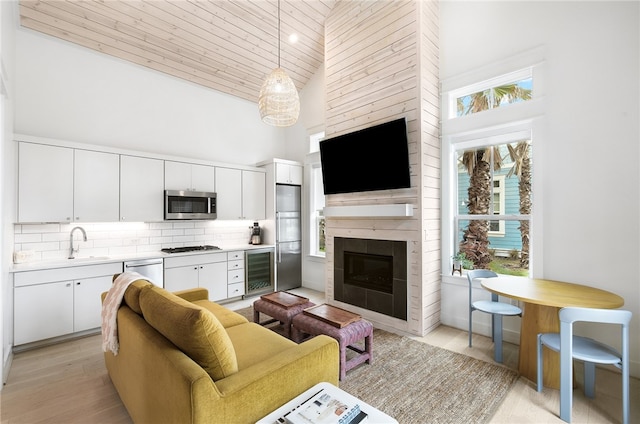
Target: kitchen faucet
point(71, 249)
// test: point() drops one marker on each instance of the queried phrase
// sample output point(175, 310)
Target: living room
point(61, 91)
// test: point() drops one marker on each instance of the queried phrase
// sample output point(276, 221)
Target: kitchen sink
point(90, 258)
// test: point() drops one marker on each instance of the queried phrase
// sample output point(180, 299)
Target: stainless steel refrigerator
point(288, 237)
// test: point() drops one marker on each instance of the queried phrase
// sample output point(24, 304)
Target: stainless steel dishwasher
point(153, 269)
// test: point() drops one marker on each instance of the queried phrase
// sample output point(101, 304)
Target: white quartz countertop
point(95, 260)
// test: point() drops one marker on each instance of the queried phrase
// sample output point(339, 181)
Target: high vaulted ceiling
point(227, 45)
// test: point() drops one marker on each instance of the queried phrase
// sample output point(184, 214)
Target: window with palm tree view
point(494, 188)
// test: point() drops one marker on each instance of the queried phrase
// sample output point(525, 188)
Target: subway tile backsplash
point(51, 241)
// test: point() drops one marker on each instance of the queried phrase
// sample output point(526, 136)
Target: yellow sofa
point(184, 359)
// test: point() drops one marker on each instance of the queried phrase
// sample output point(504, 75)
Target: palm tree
point(521, 157)
point(491, 98)
point(475, 240)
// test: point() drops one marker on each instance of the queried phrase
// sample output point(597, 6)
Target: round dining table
point(542, 302)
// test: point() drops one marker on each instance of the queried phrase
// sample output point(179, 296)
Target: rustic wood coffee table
point(282, 306)
point(344, 326)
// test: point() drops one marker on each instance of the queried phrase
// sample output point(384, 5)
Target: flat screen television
point(374, 158)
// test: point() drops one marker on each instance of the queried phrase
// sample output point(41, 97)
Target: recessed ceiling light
point(293, 38)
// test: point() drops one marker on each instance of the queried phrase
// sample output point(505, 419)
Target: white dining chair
point(494, 307)
point(588, 350)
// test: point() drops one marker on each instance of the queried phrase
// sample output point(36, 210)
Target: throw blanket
point(110, 306)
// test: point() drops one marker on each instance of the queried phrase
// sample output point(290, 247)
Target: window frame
point(498, 126)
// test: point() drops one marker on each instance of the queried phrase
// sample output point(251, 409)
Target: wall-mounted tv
point(374, 158)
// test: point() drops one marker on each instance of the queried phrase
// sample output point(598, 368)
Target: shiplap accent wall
point(381, 63)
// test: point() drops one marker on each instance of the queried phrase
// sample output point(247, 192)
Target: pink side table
point(346, 336)
point(282, 306)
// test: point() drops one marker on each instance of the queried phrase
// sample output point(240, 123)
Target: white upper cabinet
point(240, 194)
point(188, 176)
point(96, 186)
point(229, 193)
point(288, 174)
point(45, 183)
point(253, 195)
point(63, 182)
point(141, 189)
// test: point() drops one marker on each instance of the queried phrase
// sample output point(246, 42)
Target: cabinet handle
point(195, 267)
point(68, 285)
point(78, 283)
point(77, 218)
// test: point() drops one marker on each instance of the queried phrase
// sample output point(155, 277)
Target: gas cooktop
point(189, 249)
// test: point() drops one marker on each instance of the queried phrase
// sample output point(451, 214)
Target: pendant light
point(278, 102)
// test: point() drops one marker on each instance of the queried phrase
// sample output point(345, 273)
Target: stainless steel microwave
point(180, 204)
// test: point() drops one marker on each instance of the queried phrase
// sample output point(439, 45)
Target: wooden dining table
point(542, 302)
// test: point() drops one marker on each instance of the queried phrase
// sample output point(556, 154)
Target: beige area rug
point(415, 382)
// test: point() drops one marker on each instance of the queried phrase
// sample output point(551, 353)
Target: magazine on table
point(324, 408)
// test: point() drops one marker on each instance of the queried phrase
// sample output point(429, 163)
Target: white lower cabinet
point(235, 274)
point(57, 302)
point(222, 274)
point(42, 311)
point(207, 271)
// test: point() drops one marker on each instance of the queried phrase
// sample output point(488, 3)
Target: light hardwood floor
point(68, 383)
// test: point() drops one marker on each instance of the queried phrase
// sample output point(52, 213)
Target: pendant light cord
point(278, 33)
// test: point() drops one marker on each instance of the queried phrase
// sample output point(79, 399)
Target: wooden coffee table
point(282, 306)
point(344, 326)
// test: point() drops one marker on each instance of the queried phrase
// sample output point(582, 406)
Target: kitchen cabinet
point(141, 189)
point(240, 194)
point(235, 274)
point(288, 174)
point(188, 176)
point(229, 193)
point(96, 186)
point(57, 302)
point(253, 195)
point(45, 183)
point(202, 270)
point(73, 184)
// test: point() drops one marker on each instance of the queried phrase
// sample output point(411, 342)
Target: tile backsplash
point(44, 242)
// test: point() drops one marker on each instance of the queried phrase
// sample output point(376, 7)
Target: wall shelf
point(397, 210)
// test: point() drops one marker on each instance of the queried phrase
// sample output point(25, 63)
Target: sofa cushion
point(226, 316)
point(192, 328)
point(132, 295)
point(256, 344)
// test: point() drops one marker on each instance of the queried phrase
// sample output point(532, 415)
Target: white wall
point(8, 11)
point(68, 92)
point(589, 151)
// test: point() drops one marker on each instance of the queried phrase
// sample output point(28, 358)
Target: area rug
point(415, 382)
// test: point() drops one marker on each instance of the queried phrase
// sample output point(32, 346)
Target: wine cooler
point(258, 264)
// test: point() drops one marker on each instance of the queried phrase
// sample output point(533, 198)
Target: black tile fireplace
point(371, 274)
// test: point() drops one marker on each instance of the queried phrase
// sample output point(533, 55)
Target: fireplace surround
point(371, 274)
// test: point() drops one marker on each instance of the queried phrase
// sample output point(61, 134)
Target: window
point(494, 180)
point(494, 93)
point(316, 199)
point(490, 117)
point(496, 228)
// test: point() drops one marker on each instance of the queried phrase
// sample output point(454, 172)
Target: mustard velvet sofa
point(184, 359)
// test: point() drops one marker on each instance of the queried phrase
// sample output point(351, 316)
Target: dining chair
point(588, 350)
point(494, 307)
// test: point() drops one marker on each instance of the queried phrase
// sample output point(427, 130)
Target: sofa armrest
point(191, 295)
point(269, 385)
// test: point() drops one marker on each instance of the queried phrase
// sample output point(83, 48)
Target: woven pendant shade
point(278, 102)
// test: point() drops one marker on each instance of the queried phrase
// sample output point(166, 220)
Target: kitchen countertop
point(96, 260)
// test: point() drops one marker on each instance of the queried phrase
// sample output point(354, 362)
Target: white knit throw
point(110, 306)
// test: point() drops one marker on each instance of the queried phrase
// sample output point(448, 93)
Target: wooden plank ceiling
point(230, 46)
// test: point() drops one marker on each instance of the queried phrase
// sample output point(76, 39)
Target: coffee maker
point(255, 234)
